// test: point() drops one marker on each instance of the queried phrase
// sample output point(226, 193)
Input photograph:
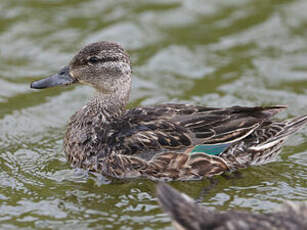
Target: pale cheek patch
point(71, 74)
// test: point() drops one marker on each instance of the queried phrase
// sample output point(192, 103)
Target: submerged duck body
point(188, 215)
point(169, 141)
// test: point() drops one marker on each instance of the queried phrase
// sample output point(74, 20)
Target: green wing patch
point(210, 149)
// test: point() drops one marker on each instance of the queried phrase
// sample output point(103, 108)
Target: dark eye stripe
point(95, 59)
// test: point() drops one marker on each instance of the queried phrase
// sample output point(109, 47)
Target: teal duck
point(160, 142)
point(186, 214)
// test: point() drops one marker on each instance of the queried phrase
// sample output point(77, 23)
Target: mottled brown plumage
point(156, 141)
point(188, 215)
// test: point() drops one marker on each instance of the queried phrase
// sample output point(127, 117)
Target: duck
point(186, 214)
point(159, 142)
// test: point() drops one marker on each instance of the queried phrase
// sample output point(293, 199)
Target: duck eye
point(93, 60)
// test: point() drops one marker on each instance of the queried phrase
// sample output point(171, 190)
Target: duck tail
point(263, 145)
point(290, 127)
point(185, 213)
point(295, 124)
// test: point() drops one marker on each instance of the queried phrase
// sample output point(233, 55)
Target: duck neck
point(108, 106)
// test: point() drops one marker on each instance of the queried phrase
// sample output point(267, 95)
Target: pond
point(214, 53)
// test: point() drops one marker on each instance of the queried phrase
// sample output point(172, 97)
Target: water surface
point(215, 53)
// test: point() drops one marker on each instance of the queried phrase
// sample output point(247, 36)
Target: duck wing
point(180, 126)
point(263, 145)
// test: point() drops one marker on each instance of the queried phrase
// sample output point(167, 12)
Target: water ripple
point(220, 53)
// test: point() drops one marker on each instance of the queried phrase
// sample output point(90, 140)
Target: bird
point(159, 142)
point(186, 214)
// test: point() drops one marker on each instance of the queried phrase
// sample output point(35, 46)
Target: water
point(215, 53)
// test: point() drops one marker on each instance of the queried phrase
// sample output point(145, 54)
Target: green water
point(216, 53)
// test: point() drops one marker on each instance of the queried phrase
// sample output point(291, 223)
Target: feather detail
point(263, 145)
point(165, 166)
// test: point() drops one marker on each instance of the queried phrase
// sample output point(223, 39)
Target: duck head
point(102, 65)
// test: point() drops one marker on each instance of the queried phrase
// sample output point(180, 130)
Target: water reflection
point(215, 53)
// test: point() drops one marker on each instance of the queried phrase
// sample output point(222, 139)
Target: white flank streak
point(265, 146)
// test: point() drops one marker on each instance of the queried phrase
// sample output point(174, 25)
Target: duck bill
point(61, 78)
